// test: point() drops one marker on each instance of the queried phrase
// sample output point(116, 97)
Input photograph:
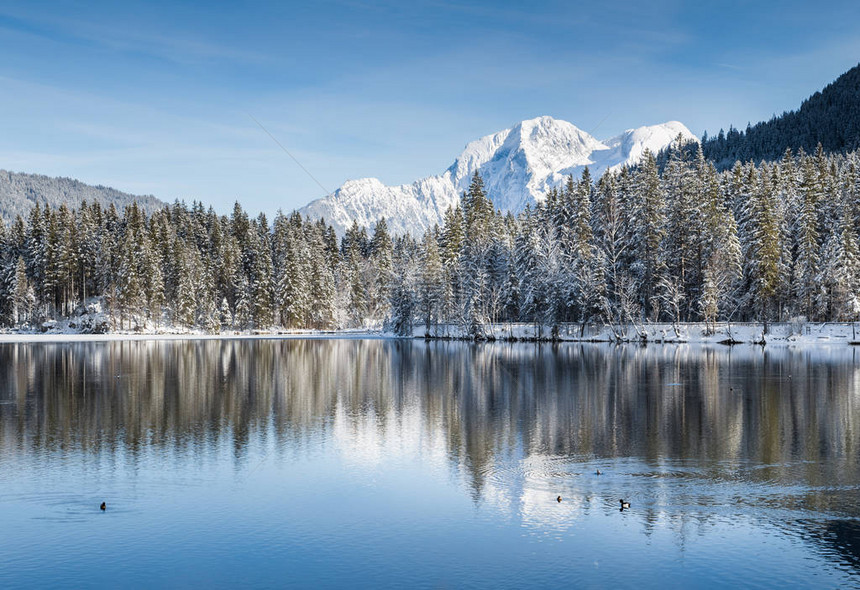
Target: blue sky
point(155, 97)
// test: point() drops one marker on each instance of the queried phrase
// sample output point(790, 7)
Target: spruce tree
point(649, 229)
point(762, 256)
point(807, 239)
point(431, 288)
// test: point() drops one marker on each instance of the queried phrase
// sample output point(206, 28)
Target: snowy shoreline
point(778, 334)
point(726, 333)
point(14, 337)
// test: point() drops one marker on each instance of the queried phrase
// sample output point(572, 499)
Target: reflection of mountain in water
point(507, 418)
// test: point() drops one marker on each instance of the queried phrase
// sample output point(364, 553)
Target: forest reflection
point(793, 414)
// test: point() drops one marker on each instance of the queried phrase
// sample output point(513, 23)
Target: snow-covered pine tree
point(719, 245)
point(35, 257)
point(23, 296)
point(649, 229)
point(450, 251)
point(185, 304)
point(402, 291)
point(259, 264)
point(681, 249)
point(480, 227)
point(322, 294)
point(381, 263)
point(152, 269)
point(763, 248)
point(805, 275)
point(130, 279)
point(839, 276)
point(430, 284)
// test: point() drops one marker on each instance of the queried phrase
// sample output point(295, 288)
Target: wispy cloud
point(182, 47)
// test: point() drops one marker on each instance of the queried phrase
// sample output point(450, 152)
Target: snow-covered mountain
point(518, 165)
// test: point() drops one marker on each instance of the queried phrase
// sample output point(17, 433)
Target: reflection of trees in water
point(490, 404)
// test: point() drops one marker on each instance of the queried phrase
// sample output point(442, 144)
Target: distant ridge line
point(20, 191)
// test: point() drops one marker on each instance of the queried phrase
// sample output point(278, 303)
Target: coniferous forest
point(830, 117)
point(763, 242)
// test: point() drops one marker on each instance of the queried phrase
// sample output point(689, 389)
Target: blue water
point(374, 463)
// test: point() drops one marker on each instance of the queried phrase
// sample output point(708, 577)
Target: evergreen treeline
point(767, 242)
point(830, 118)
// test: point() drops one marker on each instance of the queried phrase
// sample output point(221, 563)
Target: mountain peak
point(629, 146)
point(547, 126)
point(519, 166)
point(545, 134)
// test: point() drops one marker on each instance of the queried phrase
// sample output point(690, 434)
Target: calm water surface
point(374, 463)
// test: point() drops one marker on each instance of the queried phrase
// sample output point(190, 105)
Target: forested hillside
point(830, 117)
point(19, 193)
point(773, 241)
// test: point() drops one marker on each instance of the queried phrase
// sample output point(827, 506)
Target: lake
point(384, 463)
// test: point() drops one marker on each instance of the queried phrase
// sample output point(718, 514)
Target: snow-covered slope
point(628, 147)
point(518, 165)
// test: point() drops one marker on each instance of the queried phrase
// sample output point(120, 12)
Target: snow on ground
point(91, 323)
point(797, 334)
point(780, 334)
point(10, 337)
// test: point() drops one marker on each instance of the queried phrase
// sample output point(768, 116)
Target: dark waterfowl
point(598, 472)
point(103, 506)
point(558, 499)
point(624, 504)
